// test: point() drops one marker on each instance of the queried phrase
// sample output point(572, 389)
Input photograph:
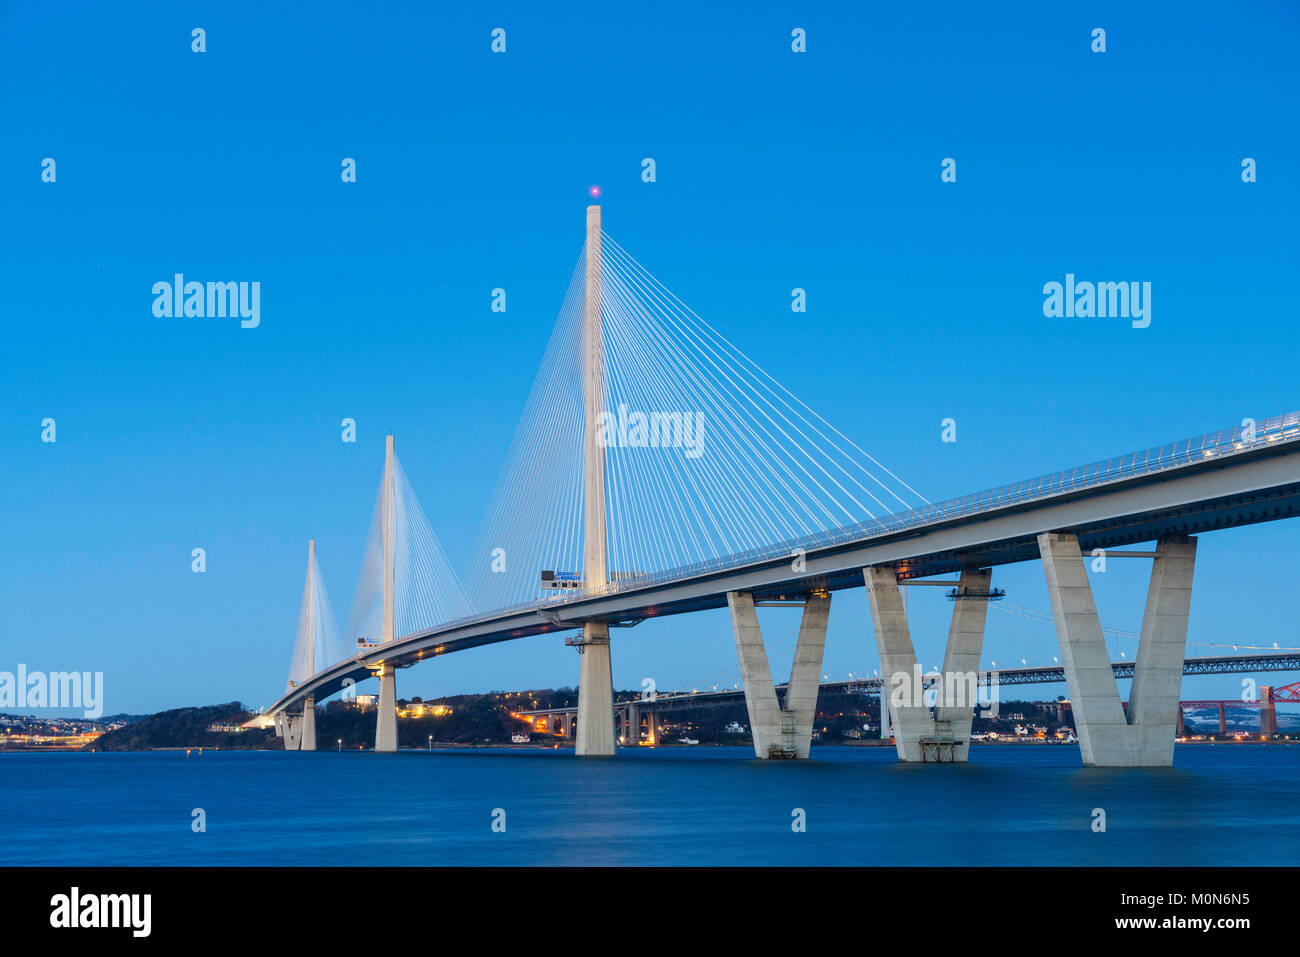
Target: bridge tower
point(386, 716)
point(595, 684)
point(309, 705)
point(299, 729)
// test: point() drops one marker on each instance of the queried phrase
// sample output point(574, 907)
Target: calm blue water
point(1220, 804)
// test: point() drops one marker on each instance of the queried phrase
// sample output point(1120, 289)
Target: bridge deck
point(1216, 481)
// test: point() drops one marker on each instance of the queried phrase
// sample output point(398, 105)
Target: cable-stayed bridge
point(657, 470)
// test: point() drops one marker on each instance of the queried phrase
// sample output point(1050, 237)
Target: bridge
point(658, 471)
point(629, 714)
point(1267, 701)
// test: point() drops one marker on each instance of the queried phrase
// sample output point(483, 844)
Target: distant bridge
point(562, 720)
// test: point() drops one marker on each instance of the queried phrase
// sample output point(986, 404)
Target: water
point(1011, 805)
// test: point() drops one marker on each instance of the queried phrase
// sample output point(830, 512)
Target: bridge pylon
point(595, 737)
point(919, 736)
point(308, 742)
point(1108, 735)
point(780, 732)
point(386, 713)
point(299, 729)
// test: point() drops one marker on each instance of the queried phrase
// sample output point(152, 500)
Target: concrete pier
point(289, 727)
point(898, 665)
point(755, 675)
point(386, 712)
point(955, 705)
point(776, 731)
point(1108, 737)
point(632, 730)
point(918, 736)
point(308, 725)
point(595, 736)
point(1267, 711)
point(806, 671)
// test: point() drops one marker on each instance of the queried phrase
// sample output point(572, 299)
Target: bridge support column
point(309, 724)
point(632, 736)
point(958, 692)
point(917, 735)
point(1108, 737)
point(898, 665)
point(780, 732)
point(289, 727)
point(386, 713)
point(595, 694)
point(652, 728)
point(1267, 711)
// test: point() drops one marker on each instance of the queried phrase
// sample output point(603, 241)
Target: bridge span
point(1243, 475)
point(1173, 490)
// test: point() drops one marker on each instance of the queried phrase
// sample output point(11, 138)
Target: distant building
point(420, 710)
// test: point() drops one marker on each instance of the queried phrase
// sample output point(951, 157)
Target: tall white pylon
point(386, 719)
point(595, 685)
point(299, 729)
point(309, 705)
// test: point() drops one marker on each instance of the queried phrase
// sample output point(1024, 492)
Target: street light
point(340, 745)
point(430, 748)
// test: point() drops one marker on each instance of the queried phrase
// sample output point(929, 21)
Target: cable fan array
point(426, 592)
point(706, 455)
point(318, 642)
point(534, 518)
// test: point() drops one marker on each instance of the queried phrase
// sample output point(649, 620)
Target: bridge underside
point(1130, 530)
point(1111, 533)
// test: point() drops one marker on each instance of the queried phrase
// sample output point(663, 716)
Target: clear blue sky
point(775, 170)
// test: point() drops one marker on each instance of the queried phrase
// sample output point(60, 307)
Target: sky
point(775, 169)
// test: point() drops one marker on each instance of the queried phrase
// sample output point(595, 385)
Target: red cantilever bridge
point(1267, 701)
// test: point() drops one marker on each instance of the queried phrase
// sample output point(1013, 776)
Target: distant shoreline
point(457, 746)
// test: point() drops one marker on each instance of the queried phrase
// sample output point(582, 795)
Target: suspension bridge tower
point(309, 705)
point(299, 728)
point(386, 719)
point(595, 685)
